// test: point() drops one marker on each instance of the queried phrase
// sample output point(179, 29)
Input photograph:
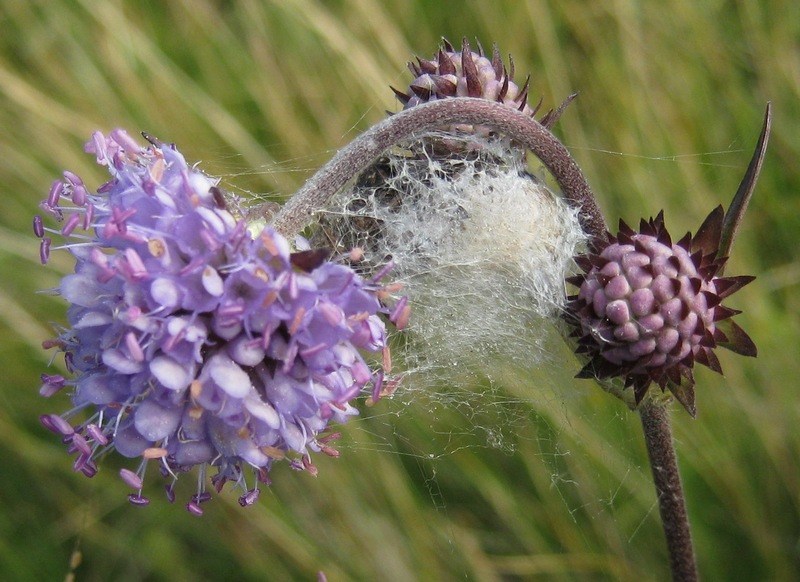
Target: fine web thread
point(480, 244)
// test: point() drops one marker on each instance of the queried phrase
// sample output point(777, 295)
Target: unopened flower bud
point(648, 309)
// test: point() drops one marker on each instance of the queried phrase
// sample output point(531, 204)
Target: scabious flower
point(191, 342)
point(648, 309)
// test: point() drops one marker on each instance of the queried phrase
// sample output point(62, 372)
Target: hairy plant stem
point(354, 158)
point(671, 502)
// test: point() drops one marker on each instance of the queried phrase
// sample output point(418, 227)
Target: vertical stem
point(671, 502)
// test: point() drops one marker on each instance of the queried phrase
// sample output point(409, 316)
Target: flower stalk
point(671, 502)
point(297, 213)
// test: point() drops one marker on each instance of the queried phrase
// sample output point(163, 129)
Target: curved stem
point(354, 158)
point(671, 502)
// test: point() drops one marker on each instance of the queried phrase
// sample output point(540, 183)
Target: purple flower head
point(466, 73)
point(189, 341)
point(648, 309)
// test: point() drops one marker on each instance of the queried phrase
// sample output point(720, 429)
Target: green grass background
point(263, 92)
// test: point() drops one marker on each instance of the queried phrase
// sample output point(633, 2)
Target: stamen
point(250, 497)
point(38, 226)
point(51, 384)
point(194, 508)
point(131, 479)
point(71, 224)
point(138, 500)
point(97, 434)
point(55, 194)
point(44, 250)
